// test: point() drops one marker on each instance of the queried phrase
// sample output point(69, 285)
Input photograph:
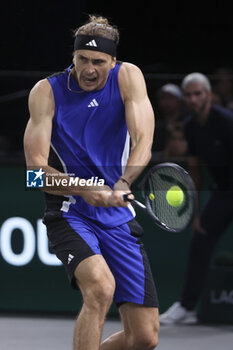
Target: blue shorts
point(74, 239)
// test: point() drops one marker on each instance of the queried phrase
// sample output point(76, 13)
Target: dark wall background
point(36, 35)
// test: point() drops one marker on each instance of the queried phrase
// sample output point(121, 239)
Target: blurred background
point(167, 41)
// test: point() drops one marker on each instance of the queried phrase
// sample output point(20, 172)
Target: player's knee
point(100, 295)
point(144, 341)
point(104, 292)
point(150, 341)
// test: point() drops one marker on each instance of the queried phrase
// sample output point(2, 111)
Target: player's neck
point(73, 72)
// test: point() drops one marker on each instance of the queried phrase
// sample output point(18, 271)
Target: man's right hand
point(100, 196)
point(103, 196)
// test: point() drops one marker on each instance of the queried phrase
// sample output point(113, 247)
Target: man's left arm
point(140, 121)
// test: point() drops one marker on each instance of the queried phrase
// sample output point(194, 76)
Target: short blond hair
point(100, 26)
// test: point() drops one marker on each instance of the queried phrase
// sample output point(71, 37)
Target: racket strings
point(159, 183)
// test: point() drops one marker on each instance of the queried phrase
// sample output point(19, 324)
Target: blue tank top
point(90, 140)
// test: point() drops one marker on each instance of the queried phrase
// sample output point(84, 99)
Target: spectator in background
point(175, 149)
point(209, 134)
point(171, 103)
point(176, 144)
point(170, 114)
point(223, 87)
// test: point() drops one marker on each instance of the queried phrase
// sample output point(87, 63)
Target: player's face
point(92, 68)
point(196, 98)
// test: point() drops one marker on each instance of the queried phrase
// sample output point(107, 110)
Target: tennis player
point(81, 124)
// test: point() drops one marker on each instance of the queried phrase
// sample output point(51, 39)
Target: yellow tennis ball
point(175, 196)
point(151, 196)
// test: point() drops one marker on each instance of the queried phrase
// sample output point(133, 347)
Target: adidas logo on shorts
point(70, 258)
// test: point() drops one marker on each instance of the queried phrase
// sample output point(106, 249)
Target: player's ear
point(74, 57)
point(113, 62)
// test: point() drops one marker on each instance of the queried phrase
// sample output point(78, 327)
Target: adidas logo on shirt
point(93, 103)
point(91, 43)
point(70, 258)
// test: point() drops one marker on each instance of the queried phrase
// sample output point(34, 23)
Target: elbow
point(148, 157)
point(34, 157)
point(35, 161)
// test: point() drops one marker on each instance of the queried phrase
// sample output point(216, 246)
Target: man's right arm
point(39, 128)
point(37, 135)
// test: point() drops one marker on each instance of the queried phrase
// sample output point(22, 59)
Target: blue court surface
point(27, 333)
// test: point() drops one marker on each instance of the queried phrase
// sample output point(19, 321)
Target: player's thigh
point(74, 242)
point(141, 324)
point(94, 278)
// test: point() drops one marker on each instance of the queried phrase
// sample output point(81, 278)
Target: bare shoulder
point(131, 80)
point(41, 99)
point(129, 73)
point(41, 88)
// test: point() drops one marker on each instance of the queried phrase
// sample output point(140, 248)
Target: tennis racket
point(155, 186)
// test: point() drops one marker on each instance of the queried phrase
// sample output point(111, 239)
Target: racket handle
point(126, 198)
